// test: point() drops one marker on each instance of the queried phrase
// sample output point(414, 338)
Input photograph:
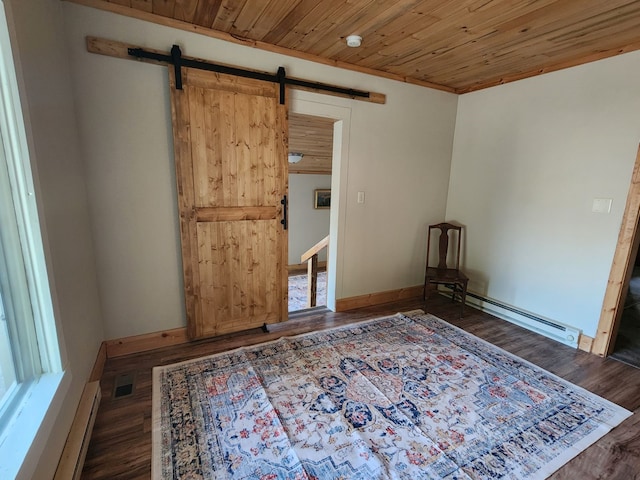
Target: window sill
point(27, 430)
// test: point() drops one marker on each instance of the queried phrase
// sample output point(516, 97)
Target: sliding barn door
point(230, 140)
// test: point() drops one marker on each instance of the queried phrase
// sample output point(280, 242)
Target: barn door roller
point(178, 61)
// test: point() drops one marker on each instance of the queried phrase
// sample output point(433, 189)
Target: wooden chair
point(442, 274)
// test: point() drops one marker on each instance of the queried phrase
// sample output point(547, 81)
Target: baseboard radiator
point(544, 326)
point(75, 449)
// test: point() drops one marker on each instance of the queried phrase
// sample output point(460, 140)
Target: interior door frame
point(307, 103)
point(621, 269)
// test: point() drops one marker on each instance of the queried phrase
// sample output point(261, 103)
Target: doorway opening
point(313, 104)
point(310, 173)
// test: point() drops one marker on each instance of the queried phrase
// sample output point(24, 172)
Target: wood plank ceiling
point(312, 136)
point(455, 45)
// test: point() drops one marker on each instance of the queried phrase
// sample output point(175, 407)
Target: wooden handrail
point(315, 249)
point(311, 257)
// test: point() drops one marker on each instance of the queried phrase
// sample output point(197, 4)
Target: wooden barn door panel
point(230, 139)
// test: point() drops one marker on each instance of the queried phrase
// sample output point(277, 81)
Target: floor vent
point(123, 386)
point(75, 449)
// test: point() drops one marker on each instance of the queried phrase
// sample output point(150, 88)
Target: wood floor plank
point(120, 447)
point(617, 455)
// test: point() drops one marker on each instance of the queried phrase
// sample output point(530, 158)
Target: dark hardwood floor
point(120, 447)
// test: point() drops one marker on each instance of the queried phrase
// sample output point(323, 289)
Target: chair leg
point(428, 287)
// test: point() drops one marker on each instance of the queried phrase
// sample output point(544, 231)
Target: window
point(23, 338)
point(30, 366)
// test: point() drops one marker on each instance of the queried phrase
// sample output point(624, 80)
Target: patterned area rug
point(298, 291)
point(401, 397)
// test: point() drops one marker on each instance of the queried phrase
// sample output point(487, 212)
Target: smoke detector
point(354, 41)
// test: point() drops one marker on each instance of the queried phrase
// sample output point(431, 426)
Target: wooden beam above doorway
point(117, 49)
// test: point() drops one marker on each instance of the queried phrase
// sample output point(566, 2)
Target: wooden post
point(312, 284)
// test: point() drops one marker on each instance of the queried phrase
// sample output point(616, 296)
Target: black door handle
point(285, 218)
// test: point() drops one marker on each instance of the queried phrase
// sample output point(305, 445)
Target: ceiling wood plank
point(311, 166)
point(313, 137)
point(164, 8)
point(451, 45)
point(247, 17)
point(142, 5)
point(298, 12)
point(384, 38)
point(206, 12)
point(322, 24)
point(483, 55)
point(126, 3)
point(453, 29)
point(227, 14)
point(382, 14)
point(186, 10)
point(273, 14)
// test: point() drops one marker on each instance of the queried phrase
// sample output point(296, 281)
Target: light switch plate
point(360, 197)
point(601, 205)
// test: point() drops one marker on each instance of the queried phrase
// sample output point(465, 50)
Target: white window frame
point(29, 415)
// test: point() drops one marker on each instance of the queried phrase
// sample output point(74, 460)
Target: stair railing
point(311, 257)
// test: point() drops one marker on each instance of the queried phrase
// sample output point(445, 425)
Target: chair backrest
point(443, 244)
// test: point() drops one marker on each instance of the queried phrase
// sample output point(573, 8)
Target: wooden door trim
point(620, 275)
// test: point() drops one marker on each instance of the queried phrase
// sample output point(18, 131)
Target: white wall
point(399, 153)
point(307, 225)
point(529, 158)
point(47, 101)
